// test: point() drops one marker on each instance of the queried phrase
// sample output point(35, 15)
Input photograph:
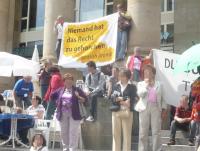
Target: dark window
point(109, 9)
point(169, 5)
point(36, 18)
point(24, 8)
point(23, 25)
point(161, 33)
point(162, 5)
point(170, 30)
point(108, 1)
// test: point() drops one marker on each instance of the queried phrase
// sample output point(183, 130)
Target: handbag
point(124, 23)
point(115, 107)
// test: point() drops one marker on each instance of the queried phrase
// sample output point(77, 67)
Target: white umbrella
point(16, 65)
point(35, 56)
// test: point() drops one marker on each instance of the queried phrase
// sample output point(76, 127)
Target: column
point(4, 17)
point(145, 30)
point(54, 8)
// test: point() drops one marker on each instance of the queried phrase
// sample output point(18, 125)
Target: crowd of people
point(128, 88)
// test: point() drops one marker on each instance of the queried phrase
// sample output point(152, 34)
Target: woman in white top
point(36, 109)
point(38, 143)
point(151, 109)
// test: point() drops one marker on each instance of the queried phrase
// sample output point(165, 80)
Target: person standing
point(150, 95)
point(58, 28)
point(124, 94)
point(94, 84)
point(124, 24)
point(44, 79)
point(113, 80)
point(22, 92)
point(68, 113)
point(135, 64)
point(55, 83)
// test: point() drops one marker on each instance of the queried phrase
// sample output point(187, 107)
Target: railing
point(27, 52)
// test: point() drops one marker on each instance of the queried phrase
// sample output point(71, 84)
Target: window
point(161, 33)
point(162, 5)
point(91, 9)
point(169, 5)
point(36, 17)
point(108, 7)
point(170, 30)
point(32, 14)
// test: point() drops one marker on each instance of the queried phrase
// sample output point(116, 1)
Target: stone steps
point(177, 148)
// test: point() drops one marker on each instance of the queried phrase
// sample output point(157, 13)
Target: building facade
point(25, 23)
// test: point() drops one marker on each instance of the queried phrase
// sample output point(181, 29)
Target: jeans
point(184, 126)
point(58, 47)
point(23, 135)
point(43, 90)
point(93, 100)
point(20, 100)
point(121, 44)
point(51, 107)
point(136, 75)
point(197, 135)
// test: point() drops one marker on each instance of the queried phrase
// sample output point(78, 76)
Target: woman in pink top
point(153, 108)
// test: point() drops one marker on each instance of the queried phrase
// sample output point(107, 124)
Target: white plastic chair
point(41, 126)
point(8, 95)
point(55, 131)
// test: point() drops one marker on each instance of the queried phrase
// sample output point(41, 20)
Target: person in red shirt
point(196, 118)
point(182, 120)
point(55, 83)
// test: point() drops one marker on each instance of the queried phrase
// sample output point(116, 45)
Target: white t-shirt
point(59, 29)
point(34, 111)
point(137, 64)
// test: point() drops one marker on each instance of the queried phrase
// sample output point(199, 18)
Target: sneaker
point(171, 142)
point(90, 119)
point(191, 143)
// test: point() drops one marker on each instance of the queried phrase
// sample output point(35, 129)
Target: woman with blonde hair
point(68, 113)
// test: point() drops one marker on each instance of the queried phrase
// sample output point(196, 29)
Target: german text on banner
point(174, 85)
point(93, 40)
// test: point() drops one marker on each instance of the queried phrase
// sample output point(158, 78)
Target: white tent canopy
point(17, 65)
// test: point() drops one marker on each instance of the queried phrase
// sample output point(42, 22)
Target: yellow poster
point(93, 40)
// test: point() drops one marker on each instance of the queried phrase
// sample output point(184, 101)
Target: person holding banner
point(124, 24)
point(151, 109)
point(58, 28)
point(94, 88)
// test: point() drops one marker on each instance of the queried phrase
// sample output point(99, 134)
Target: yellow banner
point(92, 40)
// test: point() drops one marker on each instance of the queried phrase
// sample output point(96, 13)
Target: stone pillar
point(54, 8)
point(145, 30)
point(4, 17)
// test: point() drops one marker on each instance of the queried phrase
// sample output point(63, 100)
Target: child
point(38, 143)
